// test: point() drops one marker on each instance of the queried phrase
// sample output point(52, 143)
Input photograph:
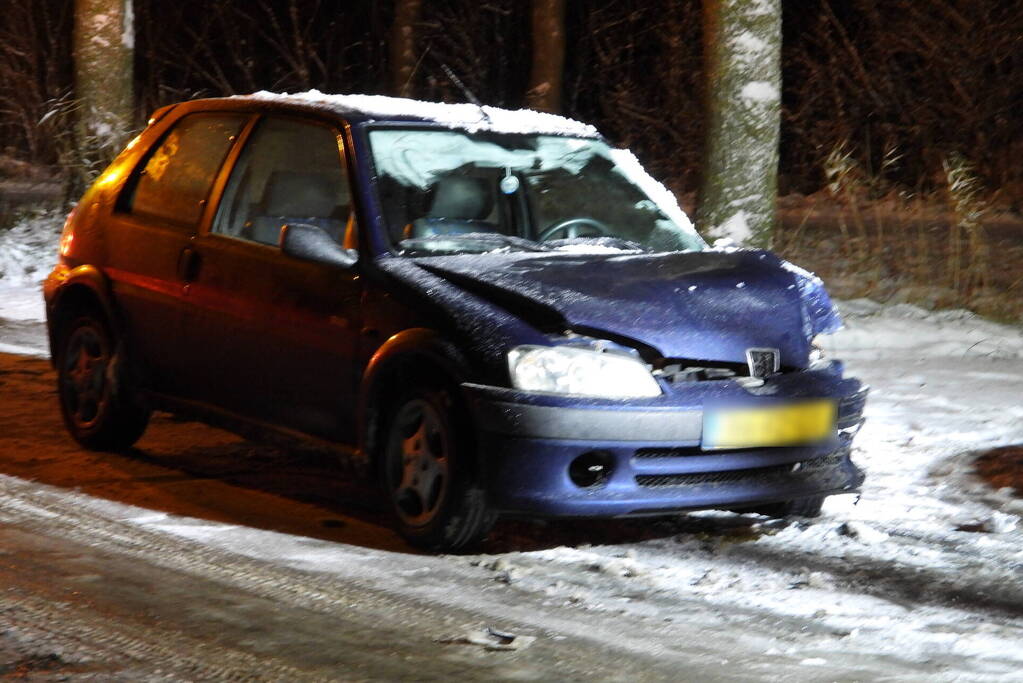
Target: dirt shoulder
point(1003, 467)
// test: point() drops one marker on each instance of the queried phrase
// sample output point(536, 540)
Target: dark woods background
point(896, 86)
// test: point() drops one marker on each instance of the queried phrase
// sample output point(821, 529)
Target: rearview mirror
point(312, 243)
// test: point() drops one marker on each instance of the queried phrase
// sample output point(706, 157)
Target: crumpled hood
point(710, 305)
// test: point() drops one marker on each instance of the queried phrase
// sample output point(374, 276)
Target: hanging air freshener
point(509, 183)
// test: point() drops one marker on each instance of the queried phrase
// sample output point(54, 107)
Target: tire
point(100, 406)
point(801, 507)
point(428, 474)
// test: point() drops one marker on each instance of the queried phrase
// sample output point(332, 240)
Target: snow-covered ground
point(919, 577)
point(27, 253)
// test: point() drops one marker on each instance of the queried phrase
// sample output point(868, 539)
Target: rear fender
point(74, 290)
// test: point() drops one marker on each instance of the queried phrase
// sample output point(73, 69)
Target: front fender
point(411, 351)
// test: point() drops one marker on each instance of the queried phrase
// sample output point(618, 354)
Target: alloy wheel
point(418, 462)
point(85, 384)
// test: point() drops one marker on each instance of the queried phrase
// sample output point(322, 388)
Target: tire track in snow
point(962, 579)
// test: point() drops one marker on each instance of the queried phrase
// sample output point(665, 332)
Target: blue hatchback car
point(495, 312)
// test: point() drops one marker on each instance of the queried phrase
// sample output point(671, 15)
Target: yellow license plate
point(778, 425)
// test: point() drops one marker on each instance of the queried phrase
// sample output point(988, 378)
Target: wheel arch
point(410, 355)
point(84, 288)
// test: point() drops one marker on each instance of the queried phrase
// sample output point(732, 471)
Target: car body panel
point(681, 304)
point(272, 337)
point(654, 448)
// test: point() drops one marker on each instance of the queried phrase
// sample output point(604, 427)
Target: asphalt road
point(89, 592)
point(201, 556)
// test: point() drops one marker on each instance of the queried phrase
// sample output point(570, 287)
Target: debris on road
point(492, 639)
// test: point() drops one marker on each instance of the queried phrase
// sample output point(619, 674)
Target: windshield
point(445, 191)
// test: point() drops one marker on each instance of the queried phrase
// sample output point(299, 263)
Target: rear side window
point(177, 176)
point(289, 172)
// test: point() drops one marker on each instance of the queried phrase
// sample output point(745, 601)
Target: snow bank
point(28, 251)
point(876, 330)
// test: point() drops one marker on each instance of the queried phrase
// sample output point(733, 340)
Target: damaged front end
point(671, 382)
point(557, 455)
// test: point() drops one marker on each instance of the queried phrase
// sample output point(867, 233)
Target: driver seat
point(459, 205)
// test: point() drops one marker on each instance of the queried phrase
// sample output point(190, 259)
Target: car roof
point(358, 109)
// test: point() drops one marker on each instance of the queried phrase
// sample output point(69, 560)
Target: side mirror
point(312, 243)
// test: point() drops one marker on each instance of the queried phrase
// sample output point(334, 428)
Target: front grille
point(732, 476)
point(678, 371)
point(656, 453)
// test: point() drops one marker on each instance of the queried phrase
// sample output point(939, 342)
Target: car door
point(149, 234)
point(275, 337)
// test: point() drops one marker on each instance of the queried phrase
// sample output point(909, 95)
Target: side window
point(289, 171)
point(176, 179)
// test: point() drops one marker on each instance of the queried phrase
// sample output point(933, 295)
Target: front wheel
point(428, 473)
point(100, 407)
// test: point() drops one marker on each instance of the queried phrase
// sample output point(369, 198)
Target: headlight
point(581, 372)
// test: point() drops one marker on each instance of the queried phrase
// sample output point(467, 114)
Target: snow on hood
point(464, 116)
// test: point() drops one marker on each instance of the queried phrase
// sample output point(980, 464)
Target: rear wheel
point(100, 406)
point(428, 473)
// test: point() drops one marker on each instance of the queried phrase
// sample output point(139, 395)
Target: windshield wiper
point(473, 243)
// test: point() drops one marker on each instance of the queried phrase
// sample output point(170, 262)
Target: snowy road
point(203, 556)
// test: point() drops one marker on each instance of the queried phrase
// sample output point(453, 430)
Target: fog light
point(591, 469)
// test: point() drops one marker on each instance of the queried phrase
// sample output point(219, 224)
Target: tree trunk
point(103, 51)
point(742, 54)
point(403, 46)
point(548, 56)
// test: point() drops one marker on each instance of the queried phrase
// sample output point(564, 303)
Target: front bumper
point(528, 442)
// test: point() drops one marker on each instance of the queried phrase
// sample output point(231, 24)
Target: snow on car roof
point(472, 118)
point(465, 116)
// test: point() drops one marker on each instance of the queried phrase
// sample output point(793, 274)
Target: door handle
point(188, 264)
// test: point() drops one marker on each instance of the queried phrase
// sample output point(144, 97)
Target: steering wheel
point(573, 226)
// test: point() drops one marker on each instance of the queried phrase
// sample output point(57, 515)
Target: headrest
point(461, 197)
point(301, 194)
